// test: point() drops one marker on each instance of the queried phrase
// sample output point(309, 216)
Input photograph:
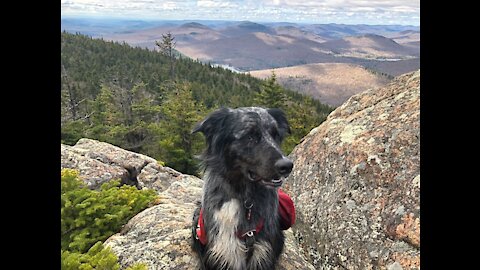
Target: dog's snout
point(284, 166)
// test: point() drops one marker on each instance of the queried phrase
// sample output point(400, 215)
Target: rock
point(356, 182)
point(92, 171)
point(99, 162)
point(395, 266)
point(159, 236)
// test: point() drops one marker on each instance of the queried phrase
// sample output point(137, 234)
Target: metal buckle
point(246, 202)
point(196, 232)
point(249, 239)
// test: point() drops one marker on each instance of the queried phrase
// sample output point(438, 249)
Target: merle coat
point(243, 166)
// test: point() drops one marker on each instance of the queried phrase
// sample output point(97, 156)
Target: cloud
point(326, 11)
point(215, 4)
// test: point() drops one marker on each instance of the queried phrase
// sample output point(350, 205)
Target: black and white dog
point(237, 225)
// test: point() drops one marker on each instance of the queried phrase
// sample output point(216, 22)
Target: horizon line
point(126, 18)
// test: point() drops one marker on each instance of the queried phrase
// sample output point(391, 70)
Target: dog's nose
point(284, 166)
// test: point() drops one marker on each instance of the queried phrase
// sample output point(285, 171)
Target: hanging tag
point(249, 239)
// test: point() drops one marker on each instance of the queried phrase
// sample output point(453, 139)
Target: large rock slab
point(160, 236)
point(356, 182)
point(99, 162)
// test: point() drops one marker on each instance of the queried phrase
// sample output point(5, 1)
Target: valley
point(329, 62)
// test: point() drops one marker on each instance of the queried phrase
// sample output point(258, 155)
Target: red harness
point(286, 211)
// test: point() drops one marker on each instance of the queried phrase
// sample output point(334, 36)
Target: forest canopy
point(147, 101)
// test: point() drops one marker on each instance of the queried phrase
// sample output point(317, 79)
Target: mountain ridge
point(244, 52)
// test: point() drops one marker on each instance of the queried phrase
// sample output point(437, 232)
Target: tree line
point(148, 101)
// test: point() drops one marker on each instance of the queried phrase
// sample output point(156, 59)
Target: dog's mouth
point(273, 182)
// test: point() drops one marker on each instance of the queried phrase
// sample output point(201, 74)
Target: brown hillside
point(368, 46)
point(257, 51)
point(331, 83)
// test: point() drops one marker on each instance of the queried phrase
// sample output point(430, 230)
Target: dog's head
point(245, 143)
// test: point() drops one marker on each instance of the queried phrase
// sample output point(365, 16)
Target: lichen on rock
point(356, 181)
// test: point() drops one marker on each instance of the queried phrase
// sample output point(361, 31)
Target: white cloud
point(215, 4)
point(326, 11)
point(169, 5)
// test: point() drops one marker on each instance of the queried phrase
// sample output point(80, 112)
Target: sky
point(403, 12)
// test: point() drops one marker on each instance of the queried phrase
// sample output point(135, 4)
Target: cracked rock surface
point(100, 162)
point(356, 182)
point(159, 236)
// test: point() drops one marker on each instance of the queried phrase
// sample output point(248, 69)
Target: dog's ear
point(281, 119)
point(212, 122)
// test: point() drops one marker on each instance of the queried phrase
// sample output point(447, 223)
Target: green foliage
point(167, 47)
point(72, 131)
point(138, 266)
point(131, 98)
point(302, 116)
point(302, 119)
point(178, 145)
point(97, 257)
point(105, 110)
point(271, 94)
point(89, 216)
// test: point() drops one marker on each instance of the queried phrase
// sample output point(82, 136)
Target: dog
point(238, 226)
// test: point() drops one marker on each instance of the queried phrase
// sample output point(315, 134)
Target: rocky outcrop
point(356, 182)
point(159, 236)
point(99, 162)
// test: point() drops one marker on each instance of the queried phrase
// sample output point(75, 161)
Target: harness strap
point(201, 233)
point(248, 236)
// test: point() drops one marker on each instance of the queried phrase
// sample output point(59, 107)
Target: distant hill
point(393, 68)
point(250, 46)
point(331, 83)
point(195, 25)
point(99, 27)
point(257, 51)
point(185, 34)
point(369, 46)
point(297, 32)
point(245, 27)
point(408, 37)
point(335, 31)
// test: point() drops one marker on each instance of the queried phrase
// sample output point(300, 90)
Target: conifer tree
point(105, 111)
point(71, 97)
point(271, 94)
point(167, 47)
point(178, 145)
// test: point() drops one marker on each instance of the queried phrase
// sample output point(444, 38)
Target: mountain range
point(386, 50)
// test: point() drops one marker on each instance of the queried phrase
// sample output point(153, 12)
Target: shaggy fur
point(242, 163)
